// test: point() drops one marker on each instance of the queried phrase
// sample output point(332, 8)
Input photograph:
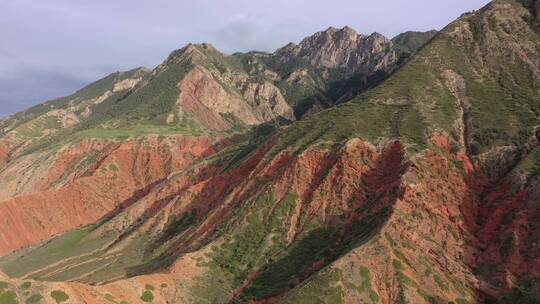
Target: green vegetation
point(8, 297)
point(59, 296)
point(26, 285)
point(70, 244)
point(278, 276)
point(403, 279)
point(147, 296)
point(395, 248)
point(123, 114)
point(149, 103)
point(365, 286)
point(524, 294)
point(257, 243)
point(109, 297)
point(417, 100)
point(77, 254)
point(385, 112)
point(94, 90)
point(36, 128)
point(34, 299)
point(531, 164)
point(461, 301)
point(221, 287)
point(409, 42)
point(249, 247)
point(175, 226)
point(149, 287)
point(338, 124)
point(427, 297)
point(320, 289)
point(406, 280)
point(442, 284)
point(113, 167)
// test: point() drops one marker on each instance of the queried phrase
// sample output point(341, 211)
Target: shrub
point(59, 296)
point(26, 285)
point(34, 299)
point(147, 296)
point(8, 297)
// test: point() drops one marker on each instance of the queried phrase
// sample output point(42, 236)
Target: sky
point(52, 48)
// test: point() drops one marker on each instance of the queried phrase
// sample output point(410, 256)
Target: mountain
point(202, 183)
point(53, 154)
point(343, 48)
point(199, 89)
point(62, 113)
point(411, 41)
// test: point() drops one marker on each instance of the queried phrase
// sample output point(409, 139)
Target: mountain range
point(346, 168)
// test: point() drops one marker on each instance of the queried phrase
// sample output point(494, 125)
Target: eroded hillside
point(422, 189)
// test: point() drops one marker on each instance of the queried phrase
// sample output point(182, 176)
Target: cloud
point(245, 33)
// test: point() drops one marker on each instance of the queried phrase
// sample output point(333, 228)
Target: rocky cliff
point(344, 48)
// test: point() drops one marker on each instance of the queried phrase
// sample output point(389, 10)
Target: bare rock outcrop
point(344, 48)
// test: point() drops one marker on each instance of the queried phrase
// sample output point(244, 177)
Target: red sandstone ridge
point(417, 212)
point(123, 171)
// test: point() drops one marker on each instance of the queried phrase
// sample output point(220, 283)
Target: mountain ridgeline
point(200, 90)
point(346, 168)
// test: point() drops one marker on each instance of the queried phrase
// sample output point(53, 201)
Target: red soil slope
point(124, 171)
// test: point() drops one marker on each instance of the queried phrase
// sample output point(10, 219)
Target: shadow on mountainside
point(369, 210)
point(502, 217)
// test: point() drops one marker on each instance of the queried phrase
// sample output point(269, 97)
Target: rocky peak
point(192, 52)
point(346, 34)
point(378, 37)
point(342, 48)
point(345, 37)
point(331, 29)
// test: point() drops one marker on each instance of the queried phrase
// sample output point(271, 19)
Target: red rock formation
point(116, 176)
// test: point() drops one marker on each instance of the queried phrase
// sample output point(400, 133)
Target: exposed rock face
point(251, 102)
point(267, 99)
point(126, 84)
point(46, 120)
point(207, 99)
point(346, 49)
point(82, 183)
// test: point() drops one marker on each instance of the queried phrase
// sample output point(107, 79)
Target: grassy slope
point(504, 99)
point(89, 92)
point(415, 101)
point(409, 42)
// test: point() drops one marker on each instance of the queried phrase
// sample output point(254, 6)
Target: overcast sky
point(54, 47)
